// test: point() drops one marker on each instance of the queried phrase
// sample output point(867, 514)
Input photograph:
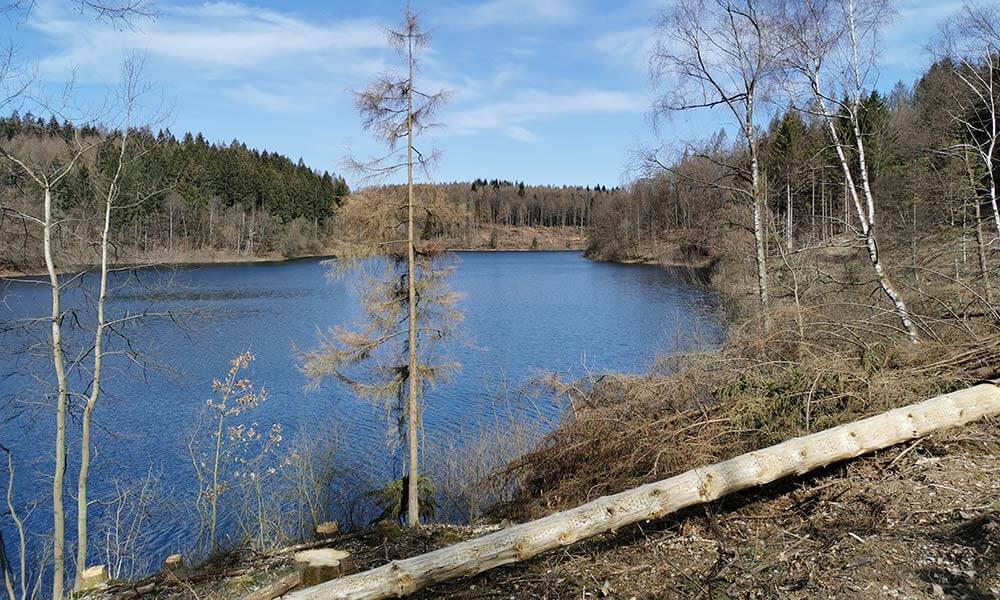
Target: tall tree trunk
point(758, 226)
point(789, 217)
point(95, 389)
point(866, 211)
point(902, 312)
point(59, 471)
point(413, 418)
point(812, 207)
point(980, 241)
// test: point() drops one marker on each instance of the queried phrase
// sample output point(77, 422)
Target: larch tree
point(410, 301)
point(831, 50)
point(723, 53)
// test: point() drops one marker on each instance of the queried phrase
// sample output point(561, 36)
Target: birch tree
point(723, 53)
point(45, 171)
point(109, 193)
point(832, 45)
point(970, 41)
point(411, 290)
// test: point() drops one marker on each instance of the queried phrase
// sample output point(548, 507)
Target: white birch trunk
point(865, 210)
point(789, 218)
point(82, 506)
point(59, 470)
point(759, 206)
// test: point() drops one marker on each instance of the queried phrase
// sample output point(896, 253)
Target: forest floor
point(920, 520)
point(504, 237)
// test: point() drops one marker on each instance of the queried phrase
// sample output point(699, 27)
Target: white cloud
point(521, 134)
point(632, 46)
point(520, 12)
point(511, 116)
point(258, 98)
point(210, 40)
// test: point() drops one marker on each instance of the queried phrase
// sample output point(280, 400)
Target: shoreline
point(195, 261)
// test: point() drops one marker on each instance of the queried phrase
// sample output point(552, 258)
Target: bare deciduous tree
point(723, 53)
point(970, 41)
point(45, 171)
point(212, 444)
point(832, 45)
point(109, 192)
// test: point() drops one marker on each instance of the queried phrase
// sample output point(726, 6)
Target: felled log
point(654, 500)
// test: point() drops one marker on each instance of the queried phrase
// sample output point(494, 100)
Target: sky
point(542, 91)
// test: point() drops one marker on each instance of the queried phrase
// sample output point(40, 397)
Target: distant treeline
point(181, 196)
point(491, 203)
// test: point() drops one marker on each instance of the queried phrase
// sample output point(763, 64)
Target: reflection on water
point(525, 313)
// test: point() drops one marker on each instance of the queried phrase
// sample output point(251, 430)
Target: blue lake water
point(526, 313)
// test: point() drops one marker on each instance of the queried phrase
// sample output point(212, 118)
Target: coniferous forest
point(188, 198)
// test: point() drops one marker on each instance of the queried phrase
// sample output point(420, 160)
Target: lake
point(526, 313)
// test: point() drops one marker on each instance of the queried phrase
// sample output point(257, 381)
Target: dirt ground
point(917, 521)
point(921, 520)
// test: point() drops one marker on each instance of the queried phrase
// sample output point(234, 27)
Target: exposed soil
point(916, 521)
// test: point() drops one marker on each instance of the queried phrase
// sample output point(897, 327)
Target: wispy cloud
point(209, 41)
point(520, 12)
point(511, 116)
point(631, 46)
point(258, 98)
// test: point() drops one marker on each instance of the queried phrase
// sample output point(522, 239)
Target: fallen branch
point(655, 500)
point(276, 588)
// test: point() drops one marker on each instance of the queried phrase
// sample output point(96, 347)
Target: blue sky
point(545, 91)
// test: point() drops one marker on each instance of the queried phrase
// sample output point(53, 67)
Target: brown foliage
point(756, 391)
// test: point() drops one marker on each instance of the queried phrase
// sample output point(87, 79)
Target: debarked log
point(655, 500)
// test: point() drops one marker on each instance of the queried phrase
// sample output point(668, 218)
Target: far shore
point(195, 260)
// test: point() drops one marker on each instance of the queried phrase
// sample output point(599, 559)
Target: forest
point(193, 198)
point(203, 202)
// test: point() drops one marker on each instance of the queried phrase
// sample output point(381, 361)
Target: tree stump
point(173, 564)
point(327, 529)
point(323, 564)
point(93, 578)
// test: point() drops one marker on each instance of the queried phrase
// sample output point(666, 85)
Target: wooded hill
point(181, 196)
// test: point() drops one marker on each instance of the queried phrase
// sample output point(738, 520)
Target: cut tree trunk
point(655, 500)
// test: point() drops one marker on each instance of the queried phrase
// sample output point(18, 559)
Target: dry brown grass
point(755, 391)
